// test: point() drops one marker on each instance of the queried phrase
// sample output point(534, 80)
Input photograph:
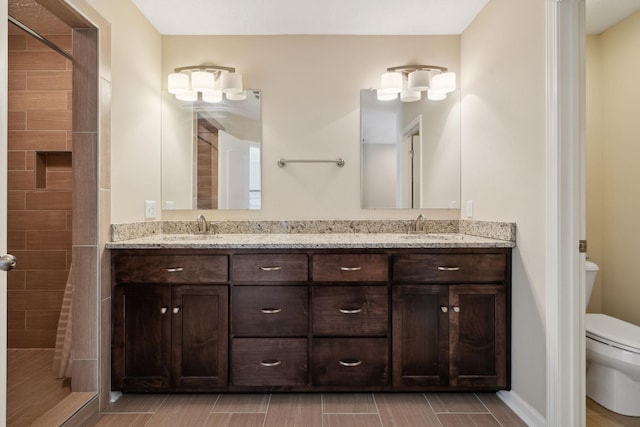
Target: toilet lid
point(612, 331)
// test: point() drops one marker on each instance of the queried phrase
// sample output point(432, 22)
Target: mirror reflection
point(410, 152)
point(211, 153)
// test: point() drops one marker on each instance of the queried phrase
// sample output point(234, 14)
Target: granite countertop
point(311, 240)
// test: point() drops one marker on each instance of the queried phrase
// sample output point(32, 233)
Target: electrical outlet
point(469, 208)
point(149, 209)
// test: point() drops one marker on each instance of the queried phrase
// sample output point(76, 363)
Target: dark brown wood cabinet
point(169, 337)
point(311, 319)
point(447, 334)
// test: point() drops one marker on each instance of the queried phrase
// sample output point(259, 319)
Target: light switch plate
point(149, 209)
point(469, 208)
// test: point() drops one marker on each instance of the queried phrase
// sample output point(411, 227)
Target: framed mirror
point(410, 153)
point(211, 153)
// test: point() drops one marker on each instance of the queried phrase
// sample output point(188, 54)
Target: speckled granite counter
point(449, 234)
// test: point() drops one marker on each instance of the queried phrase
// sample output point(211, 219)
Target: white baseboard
point(525, 411)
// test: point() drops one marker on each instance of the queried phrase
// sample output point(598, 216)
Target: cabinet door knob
point(176, 309)
point(173, 269)
point(271, 268)
point(350, 363)
point(456, 309)
point(163, 310)
point(270, 363)
point(349, 310)
point(444, 308)
point(350, 268)
point(271, 310)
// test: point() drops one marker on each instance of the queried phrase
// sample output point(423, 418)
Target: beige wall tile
point(49, 120)
point(49, 80)
point(50, 60)
point(39, 200)
point(38, 140)
point(85, 296)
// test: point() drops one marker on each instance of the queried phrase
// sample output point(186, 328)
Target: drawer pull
point(176, 309)
point(271, 310)
point(444, 308)
point(271, 268)
point(164, 309)
point(442, 268)
point(350, 363)
point(349, 310)
point(270, 363)
point(350, 268)
point(456, 309)
point(173, 269)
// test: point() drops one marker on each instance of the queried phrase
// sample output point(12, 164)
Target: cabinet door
point(420, 335)
point(141, 338)
point(478, 335)
point(199, 337)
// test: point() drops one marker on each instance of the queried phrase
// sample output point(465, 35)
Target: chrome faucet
point(419, 226)
point(203, 226)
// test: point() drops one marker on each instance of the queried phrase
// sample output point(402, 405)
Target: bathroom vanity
point(311, 313)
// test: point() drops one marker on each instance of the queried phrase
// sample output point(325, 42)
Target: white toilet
point(613, 358)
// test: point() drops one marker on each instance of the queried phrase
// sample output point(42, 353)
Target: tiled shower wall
point(40, 181)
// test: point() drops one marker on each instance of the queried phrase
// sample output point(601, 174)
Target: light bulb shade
point(177, 83)
point(231, 82)
point(187, 95)
point(436, 95)
point(212, 96)
point(240, 96)
point(391, 82)
point(385, 96)
point(202, 81)
point(444, 82)
point(419, 80)
point(408, 95)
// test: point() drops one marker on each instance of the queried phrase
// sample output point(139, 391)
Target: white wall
point(503, 163)
point(310, 110)
point(135, 109)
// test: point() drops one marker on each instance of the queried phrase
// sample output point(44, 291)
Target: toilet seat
point(614, 332)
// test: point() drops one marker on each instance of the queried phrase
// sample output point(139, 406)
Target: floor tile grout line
point(375, 402)
point(266, 411)
point(487, 408)
point(425, 397)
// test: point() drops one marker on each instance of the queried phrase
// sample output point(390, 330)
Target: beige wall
point(614, 179)
point(310, 110)
point(503, 163)
point(135, 109)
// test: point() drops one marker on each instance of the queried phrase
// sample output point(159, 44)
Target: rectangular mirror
point(211, 153)
point(410, 152)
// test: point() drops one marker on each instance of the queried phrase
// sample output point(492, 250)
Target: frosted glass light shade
point(187, 95)
point(240, 96)
point(212, 96)
point(408, 95)
point(385, 96)
point(444, 82)
point(436, 95)
point(419, 80)
point(231, 83)
point(177, 83)
point(202, 81)
point(391, 82)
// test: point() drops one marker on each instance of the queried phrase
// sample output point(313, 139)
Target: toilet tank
point(591, 270)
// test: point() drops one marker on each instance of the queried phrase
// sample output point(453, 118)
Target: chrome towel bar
point(283, 162)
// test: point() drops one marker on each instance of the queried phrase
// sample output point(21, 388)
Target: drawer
point(270, 268)
point(269, 311)
point(457, 268)
point(269, 362)
point(350, 310)
point(350, 268)
point(171, 269)
point(350, 361)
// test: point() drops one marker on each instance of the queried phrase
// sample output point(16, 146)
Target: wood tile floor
point(597, 416)
point(310, 410)
point(32, 386)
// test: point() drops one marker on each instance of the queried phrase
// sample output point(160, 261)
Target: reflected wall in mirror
point(410, 153)
point(211, 153)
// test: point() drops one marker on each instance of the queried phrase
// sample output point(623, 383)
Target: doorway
point(80, 170)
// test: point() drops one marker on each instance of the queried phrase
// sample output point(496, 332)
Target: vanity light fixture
point(211, 81)
point(411, 80)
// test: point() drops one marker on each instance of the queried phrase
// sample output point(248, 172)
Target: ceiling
point(383, 17)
